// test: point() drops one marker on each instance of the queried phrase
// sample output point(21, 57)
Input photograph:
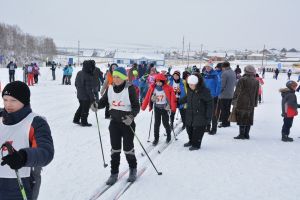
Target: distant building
point(122, 58)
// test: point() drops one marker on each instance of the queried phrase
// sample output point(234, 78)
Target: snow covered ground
point(262, 168)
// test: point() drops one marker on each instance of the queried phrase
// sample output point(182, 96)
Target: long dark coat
point(245, 99)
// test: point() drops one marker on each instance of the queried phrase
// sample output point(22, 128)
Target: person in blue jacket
point(180, 89)
point(212, 82)
point(69, 73)
point(30, 136)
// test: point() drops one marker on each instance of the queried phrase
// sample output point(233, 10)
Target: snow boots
point(244, 133)
point(188, 144)
point(112, 179)
point(84, 122)
point(168, 138)
point(192, 148)
point(155, 142)
point(132, 175)
point(286, 138)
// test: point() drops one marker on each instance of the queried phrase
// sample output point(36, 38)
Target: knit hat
point(291, 84)
point(19, 91)
point(120, 72)
point(249, 69)
point(177, 73)
point(135, 73)
point(160, 77)
point(192, 79)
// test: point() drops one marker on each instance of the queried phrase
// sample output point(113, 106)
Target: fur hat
point(249, 69)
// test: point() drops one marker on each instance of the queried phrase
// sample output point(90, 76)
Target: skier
point(211, 80)
point(289, 107)
point(107, 82)
point(69, 74)
point(238, 72)
point(84, 84)
point(123, 108)
point(53, 68)
point(36, 72)
point(30, 136)
point(198, 111)
point(179, 87)
point(245, 100)
point(276, 73)
point(164, 99)
point(65, 74)
point(11, 70)
point(30, 77)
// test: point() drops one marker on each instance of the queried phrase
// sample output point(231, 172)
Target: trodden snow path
point(261, 168)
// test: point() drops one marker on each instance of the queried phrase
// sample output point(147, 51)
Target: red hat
point(160, 77)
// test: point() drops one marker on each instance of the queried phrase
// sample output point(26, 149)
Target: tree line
point(22, 47)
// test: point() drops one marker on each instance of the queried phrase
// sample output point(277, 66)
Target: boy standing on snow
point(289, 107)
point(123, 108)
point(30, 136)
point(164, 99)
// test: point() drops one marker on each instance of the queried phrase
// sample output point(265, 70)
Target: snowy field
point(263, 168)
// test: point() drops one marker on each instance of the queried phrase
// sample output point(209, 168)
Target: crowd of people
point(206, 99)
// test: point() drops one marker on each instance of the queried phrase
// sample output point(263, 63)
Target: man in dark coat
point(244, 100)
point(85, 86)
point(98, 78)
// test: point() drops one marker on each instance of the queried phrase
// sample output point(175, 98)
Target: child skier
point(30, 136)
point(289, 107)
point(198, 111)
point(179, 87)
point(164, 99)
point(123, 108)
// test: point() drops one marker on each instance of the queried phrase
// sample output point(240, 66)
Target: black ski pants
point(119, 130)
point(195, 135)
point(11, 76)
point(161, 114)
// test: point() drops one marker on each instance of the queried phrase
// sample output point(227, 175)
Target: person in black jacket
point(11, 70)
point(30, 136)
point(85, 86)
point(198, 112)
point(123, 107)
point(98, 78)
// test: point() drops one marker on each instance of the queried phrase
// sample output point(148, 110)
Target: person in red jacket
point(163, 97)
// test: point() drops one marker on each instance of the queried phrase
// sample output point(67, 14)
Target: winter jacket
point(199, 106)
point(219, 86)
point(211, 80)
point(289, 103)
point(171, 98)
point(261, 82)
point(11, 66)
point(65, 70)
point(69, 71)
point(118, 115)
point(228, 82)
point(85, 84)
point(98, 76)
point(39, 154)
point(182, 90)
point(245, 99)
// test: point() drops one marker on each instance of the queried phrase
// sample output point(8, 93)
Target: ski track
point(261, 168)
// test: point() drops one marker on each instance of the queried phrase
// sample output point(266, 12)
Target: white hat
point(192, 80)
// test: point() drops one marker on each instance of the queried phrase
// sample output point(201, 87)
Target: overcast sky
point(217, 24)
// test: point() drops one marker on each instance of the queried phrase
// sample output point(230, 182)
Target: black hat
point(18, 90)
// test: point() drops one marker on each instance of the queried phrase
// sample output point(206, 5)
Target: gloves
point(128, 119)
point(94, 106)
point(153, 98)
point(16, 160)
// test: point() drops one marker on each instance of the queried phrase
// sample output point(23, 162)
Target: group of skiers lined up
point(31, 73)
point(202, 99)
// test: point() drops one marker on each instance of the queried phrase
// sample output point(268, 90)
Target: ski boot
point(112, 179)
point(132, 175)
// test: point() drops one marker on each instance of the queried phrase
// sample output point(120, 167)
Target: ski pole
point(150, 126)
point(104, 163)
point(21, 186)
point(158, 173)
